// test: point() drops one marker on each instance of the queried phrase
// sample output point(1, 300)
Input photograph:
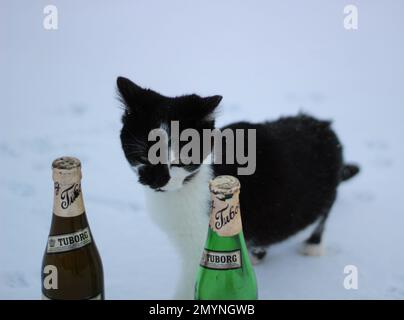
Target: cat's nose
point(155, 176)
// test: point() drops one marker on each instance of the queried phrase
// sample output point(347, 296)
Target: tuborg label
point(221, 260)
point(69, 241)
point(225, 217)
point(68, 201)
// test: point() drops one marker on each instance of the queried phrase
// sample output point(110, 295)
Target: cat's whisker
point(138, 141)
point(135, 152)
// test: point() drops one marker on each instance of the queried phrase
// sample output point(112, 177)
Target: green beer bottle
point(225, 271)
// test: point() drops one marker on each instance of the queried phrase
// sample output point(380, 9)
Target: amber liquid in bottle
point(71, 266)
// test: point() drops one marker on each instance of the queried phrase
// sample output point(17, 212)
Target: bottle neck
point(225, 216)
point(68, 199)
point(217, 241)
point(224, 252)
point(225, 245)
point(68, 209)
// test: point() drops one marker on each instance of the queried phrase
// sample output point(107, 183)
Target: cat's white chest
point(184, 214)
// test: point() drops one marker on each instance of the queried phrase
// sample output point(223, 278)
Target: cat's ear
point(130, 94)
point(210, 104)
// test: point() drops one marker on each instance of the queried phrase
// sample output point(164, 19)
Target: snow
point(267, 58)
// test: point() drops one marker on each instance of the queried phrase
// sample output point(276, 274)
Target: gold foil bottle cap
point(224, 185)
point(66, 170)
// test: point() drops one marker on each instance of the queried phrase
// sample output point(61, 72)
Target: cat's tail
point(348, 171)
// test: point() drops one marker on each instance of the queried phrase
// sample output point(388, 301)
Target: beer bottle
point(225, 271)
point(71, 266)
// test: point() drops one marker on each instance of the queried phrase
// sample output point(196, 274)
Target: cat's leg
point(313, 246)
point(185, 289)
point(189, 246)
point(190, 254)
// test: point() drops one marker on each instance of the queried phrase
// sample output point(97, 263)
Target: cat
point(299, 165)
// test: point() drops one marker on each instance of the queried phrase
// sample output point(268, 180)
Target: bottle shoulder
point(222, 243)
point(64, 225)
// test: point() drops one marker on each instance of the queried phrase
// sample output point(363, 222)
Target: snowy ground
point(267, 58)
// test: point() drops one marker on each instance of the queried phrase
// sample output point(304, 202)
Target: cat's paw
point(257, 255)
point(312, 249)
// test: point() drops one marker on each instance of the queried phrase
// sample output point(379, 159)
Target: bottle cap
point(66, 170)
point(224, 185)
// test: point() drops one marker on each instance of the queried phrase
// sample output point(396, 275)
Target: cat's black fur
point(299, 167)
point(299, 162)
point(145, 110)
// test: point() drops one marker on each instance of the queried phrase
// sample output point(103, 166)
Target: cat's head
point(145, 110)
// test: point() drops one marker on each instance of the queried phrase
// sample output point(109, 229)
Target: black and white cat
point(299, 166)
